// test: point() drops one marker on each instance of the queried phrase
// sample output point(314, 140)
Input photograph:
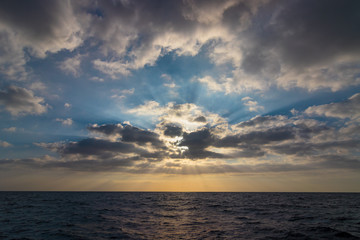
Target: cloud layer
point(188, 140)
point(306, 44)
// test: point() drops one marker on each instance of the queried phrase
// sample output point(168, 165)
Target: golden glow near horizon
point(273, 182)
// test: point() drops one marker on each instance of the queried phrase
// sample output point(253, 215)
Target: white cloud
point(334, 76)
point(128, 91)
point(67, 105)
point(184, 115)
point(113, 69)
point(253, 105)
point(149, 108)
point(97, 79)
point(10, 129)
point(170, 85)
point(67, 121)
point(72, 65)
point(5, 144)
point(246, 98)
point(122, 94)
point(347, 109)
point(166, 77)
point(37, 86)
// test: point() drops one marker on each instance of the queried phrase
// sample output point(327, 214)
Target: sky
point(191, 95)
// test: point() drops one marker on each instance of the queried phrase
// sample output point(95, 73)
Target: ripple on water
point(56, 215)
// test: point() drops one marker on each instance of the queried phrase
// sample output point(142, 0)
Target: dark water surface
point(123, 215)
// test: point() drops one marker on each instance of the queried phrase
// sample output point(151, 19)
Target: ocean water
point(132, 215)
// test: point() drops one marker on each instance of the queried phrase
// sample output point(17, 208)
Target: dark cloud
point(35, 29)
point(128, 133)
point(337, 162)
point(259, 137)
point(197, 142)
point(200, 119)
point(20, 101)
point(253, 62)
point(139, 23)
point(249, 151)
point(133, 134)
point(200, 139)
point(260, 120)
point(97, 165)
point(92, 146)
point(322, 162)
point(172, 130)
point(158, 13)
point(134, 34)
point(304, 131)
point(277, 134)
point(35, 19)
point(107, 129)
point(312, 149)
point(300, 149)
point(41, 25)
point(83, 165)
point(310, 32)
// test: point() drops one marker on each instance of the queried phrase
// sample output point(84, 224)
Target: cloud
point(253, 105)
point(66, 122)
point(200, 119)
point(97, 79)
point(21, 101)
point(72, 65)
point(187, 115)
point(188, 140)
point(303, 148)
point(172, 130)
point(122, 94)
point(37, 86)
point(349, 109)
point(5, 144)
point(128, 91)
point(261, 123)
point(166, 77)
point(170, 83)
point(40, 28)
point(131, 165)
point(294, 47)
point(137, 34)
point(127, 133)
point(67, 105)
point(113, 69)
point(306, 45)
point(319, 51)
point(91, 146)
point(10, 129)
point(149, 108)
point(214, 85)
point(12, 62)
point(262, 144)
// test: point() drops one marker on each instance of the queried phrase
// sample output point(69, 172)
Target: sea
point(178, 215)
